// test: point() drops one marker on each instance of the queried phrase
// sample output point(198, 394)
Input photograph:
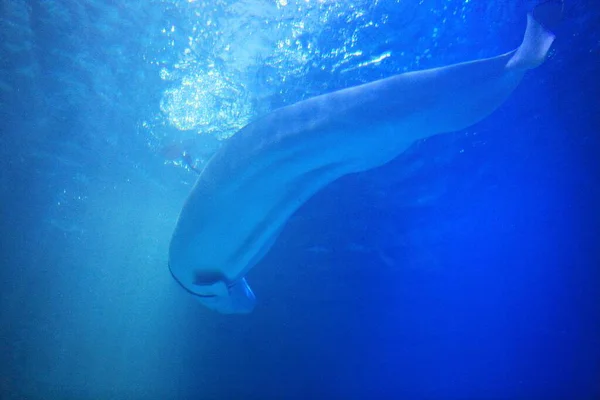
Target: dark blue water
point(467, 268)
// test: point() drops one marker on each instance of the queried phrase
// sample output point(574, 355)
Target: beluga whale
point(268, 169)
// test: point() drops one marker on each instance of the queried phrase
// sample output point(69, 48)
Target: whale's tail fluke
point(538, 37)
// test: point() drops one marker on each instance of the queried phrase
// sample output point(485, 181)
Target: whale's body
point(268, 169)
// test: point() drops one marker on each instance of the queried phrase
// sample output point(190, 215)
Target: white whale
point(268, 169)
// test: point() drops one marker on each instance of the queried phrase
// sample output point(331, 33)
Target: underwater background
point(467, 268)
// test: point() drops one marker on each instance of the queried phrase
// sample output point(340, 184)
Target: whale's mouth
point(188, 290)
point(227, 298)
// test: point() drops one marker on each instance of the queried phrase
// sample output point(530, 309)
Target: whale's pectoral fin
point(236, 298)
point(538, 39)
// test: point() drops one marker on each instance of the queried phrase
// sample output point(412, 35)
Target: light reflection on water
point(237, 60)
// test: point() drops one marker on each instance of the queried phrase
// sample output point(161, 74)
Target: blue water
point(467, 268)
